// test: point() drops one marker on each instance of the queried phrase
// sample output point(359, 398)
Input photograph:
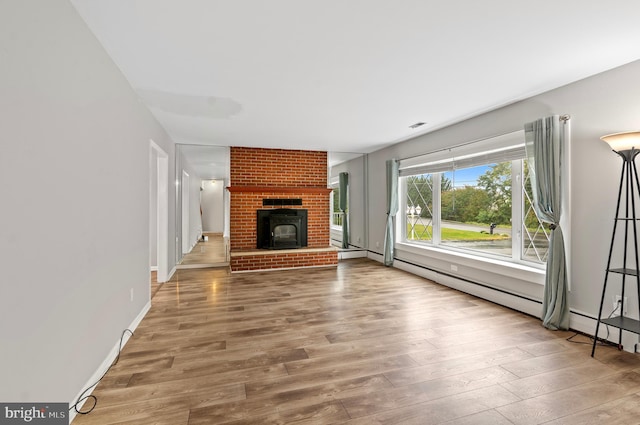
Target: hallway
point(212, 252)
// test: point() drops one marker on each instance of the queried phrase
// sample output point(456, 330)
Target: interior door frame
point(161, 210)
point(186, 230)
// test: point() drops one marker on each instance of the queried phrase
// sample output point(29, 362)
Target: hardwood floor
point(209, 253)
point(155, 286)
point(360, 344)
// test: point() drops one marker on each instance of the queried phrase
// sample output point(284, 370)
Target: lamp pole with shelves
point(625, 145)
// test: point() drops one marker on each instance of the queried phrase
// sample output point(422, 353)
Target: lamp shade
point(623, 141)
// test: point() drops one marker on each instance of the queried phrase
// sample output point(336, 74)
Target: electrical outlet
point(131, 294)
point(377, 244)
point(454, 268)
point(616, 300)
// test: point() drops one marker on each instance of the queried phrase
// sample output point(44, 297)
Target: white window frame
point(466, 153)
point(334, 183)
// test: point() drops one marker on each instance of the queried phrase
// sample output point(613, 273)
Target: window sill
point(505, 268)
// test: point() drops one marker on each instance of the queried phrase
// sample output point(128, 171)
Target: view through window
point(336, 215)
point(484, 208)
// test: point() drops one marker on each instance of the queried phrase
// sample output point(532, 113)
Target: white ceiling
point(350, 76)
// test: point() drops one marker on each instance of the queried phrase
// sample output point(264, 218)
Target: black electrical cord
point(82, 396)
point(603, 341)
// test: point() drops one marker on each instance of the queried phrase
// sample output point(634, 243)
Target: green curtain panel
point(545, 144)
point(392, 209)
point(344, 190)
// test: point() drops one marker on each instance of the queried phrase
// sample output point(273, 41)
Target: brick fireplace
point(264, 179)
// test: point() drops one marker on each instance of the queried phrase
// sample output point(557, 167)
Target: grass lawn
point(424, 232)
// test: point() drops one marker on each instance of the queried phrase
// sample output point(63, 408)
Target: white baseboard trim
point(344, 255)
point(525, 305)
point(171, 273)
point(153, 268)
point(108, 361)
point(585, 323)
point(578, 320)
point(375, 256)
point(497, 296)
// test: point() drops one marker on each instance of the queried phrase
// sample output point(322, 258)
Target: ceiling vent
point(416, 125)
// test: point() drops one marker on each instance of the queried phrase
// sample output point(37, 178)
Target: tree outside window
point(476, 211)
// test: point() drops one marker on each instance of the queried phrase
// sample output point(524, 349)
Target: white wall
point(153, 202)
point(75, 202)
point(213, 206)
point(195, 219)
point(606, 103)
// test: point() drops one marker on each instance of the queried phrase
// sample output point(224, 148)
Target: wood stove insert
point(282, 228)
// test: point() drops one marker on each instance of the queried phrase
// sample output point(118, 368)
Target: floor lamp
point(627, 146)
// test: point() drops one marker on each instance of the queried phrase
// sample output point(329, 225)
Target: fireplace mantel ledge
point(280, 189)
point(282, 251)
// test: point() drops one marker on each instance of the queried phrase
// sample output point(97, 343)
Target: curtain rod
point(564, 118)
point(457, 146)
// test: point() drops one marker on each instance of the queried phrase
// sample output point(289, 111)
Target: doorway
point(202, 206)
point(158, 212)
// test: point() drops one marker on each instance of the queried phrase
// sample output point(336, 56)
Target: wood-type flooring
point(209, 253)
point(357, 344)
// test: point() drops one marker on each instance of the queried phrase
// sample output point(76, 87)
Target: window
point(535, 234)
point(336, 215)
point(476, 199)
